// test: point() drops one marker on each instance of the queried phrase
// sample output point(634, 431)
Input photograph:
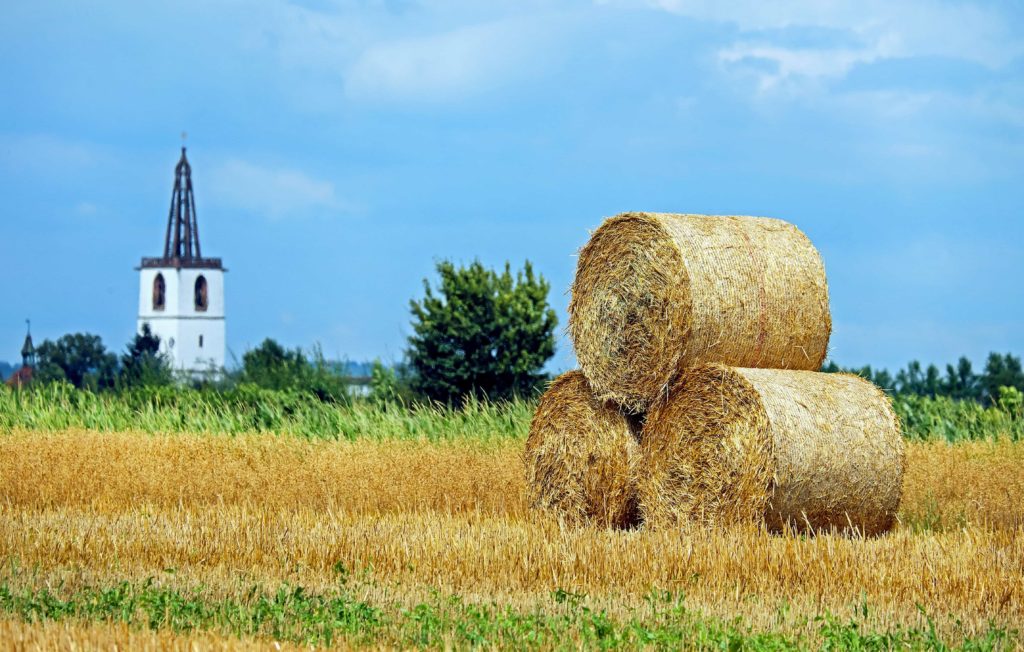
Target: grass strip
point(292, 613)
point(248, 409)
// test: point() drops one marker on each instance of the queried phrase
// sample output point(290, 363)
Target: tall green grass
point(942, 418)
point(249, 409)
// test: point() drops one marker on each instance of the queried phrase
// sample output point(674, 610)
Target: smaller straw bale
point(581, 456)
point(790, 449)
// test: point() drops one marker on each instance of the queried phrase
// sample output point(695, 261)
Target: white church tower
point(181, 294)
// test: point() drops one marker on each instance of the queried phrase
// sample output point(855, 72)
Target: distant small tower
point(181, 294)
point(28, 350)
point(23, 376)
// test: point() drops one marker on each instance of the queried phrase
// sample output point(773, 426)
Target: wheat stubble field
point(183, 541)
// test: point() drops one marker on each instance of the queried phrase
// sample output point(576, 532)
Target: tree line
point(476, 332)
point(82, 360)
point(958, 381)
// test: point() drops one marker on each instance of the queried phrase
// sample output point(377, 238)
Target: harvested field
point(83, 468)
point(946, 486)
point(235, 513)
point(73, 636)
point(656, 293)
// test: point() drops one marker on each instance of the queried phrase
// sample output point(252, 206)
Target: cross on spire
point(182, 241)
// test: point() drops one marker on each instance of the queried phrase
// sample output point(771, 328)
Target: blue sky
point(340, 149)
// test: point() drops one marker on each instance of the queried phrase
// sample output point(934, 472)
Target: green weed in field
point(294, 614)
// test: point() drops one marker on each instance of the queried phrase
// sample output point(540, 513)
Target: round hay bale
point(656, 293)
point(581, 456)
point(800, 449)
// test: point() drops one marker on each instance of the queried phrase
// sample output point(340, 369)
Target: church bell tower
point(181, 294)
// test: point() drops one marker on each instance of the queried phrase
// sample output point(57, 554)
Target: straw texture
point(581, 457)
point(656, 293)
point(798, 449)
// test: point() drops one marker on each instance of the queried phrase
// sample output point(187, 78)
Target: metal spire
point(28, 351)
point(182, 239)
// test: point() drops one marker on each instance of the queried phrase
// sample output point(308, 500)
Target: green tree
point(884, 379)
point(481, 333)
point(958, 382)
point(932, 381)
point(383, 383)
point(910, 380)
point(80, 359)
point(142, 364)
point(961, 381)
point(1001, 371)
point(272, 366)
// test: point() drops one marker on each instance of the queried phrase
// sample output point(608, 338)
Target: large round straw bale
point(581, 456)
point(656, 293)
point(800, 449)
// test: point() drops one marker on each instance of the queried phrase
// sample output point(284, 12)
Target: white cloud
point(884, 29)
point(794, 65)
point(922, 27)
point(275, 193)
point(447, 66)
point(426, 52)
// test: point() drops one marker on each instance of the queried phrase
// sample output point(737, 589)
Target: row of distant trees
point(958, 381)
point(477, 332)
point(84, 361)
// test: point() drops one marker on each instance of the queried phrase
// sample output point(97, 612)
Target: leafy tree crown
point(481, 332)
point(142, 364)
point(79, 358)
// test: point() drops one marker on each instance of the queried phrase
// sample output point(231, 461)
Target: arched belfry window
point(202, 298)
point(159, 292)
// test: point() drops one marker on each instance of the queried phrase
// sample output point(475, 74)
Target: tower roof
point(181, 244)
point(182, 226)
point(27, 350)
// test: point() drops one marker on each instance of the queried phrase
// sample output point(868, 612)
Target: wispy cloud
point(879, 30)
point(448, 66)
point(383, 52)
point(775, 67)
point(274, 193)
point(922, 27)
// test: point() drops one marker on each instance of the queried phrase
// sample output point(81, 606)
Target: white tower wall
point(194, 339)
